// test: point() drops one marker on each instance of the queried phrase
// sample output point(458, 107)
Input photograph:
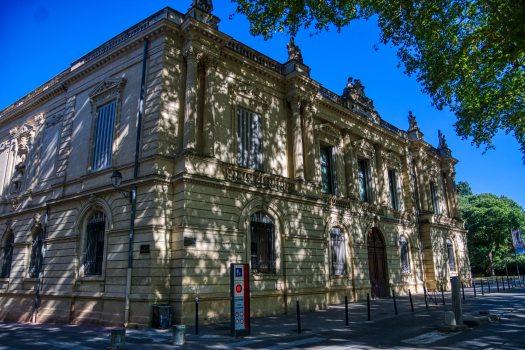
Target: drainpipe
point(42, 250)
point(419, 222)
point(133, 194)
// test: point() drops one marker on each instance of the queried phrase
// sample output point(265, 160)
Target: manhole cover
point(223, 328)
point(139, 340)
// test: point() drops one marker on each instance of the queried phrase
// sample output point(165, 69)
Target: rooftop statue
point(442, 141)
point(204, 5)
point(294, 52)
point(356, 91)
point(412, 122)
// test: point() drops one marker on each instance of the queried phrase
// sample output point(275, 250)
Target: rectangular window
point(450, 251)
point(249, 139)
point(337, 243)
point(103, 141)
point(433, 194)
point(328, 176)
point(392, 184)
point(364, 182)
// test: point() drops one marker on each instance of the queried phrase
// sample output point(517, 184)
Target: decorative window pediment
point(393, 160)
point(364, 148)
point(106, 89)
point(328, 130)
point(254, 95)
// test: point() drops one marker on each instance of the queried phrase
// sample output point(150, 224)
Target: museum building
point(141, 172)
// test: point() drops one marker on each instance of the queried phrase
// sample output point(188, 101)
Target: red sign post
point(239, 299)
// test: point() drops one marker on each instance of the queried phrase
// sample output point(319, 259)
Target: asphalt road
point(408, 330)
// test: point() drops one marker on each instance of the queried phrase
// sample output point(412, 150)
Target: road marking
point(341, 345)
point(428, 338)
point(295, 343)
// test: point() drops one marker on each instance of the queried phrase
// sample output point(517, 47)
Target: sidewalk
point(313, 324)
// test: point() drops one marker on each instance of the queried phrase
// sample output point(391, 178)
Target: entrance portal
point(376, 263)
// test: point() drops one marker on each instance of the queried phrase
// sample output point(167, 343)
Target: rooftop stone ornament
point(294, 52)
point(204, 5)
point(356, 91)
point(412, 122)
point(442, 141)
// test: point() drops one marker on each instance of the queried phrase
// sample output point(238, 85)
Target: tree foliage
point(489, 220)
point(467, 54)
point(463, 189)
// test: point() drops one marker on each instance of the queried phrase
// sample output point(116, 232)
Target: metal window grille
point(403, 252)
point(433, 193)
point(8, 257)
point(392, 182)
point(451, 262)
point(249, 139)
point(337, 243)
point(363, 175)
point(262, 244)
point(103, 142)
point(36, 253)
point(95, 244)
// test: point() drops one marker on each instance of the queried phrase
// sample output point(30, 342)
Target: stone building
point(240, 159)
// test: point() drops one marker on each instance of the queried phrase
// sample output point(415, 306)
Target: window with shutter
point(337, 244)
point(8, 257)
point(404, 254)
point(36, 253)
point(103, 138)
point(95, 244)
point(249, 139)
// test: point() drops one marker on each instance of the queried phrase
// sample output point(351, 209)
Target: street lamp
point(116, 180)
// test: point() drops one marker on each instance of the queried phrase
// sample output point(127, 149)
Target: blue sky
point(40, 39)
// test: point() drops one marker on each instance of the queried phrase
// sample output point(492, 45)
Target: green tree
point(489, 220)
point(463, 189)
point(467, 54)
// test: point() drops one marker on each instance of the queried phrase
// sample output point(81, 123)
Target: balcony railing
point(258, 57)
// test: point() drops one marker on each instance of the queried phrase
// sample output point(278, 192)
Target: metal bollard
point(411, 303)
point(463, 290)
point(497, 284)
point(368, 304)
point(508, 280)
point(514, 281)
point(346, 310)
point(179, 334)
point(474, 286)
point(426, 301)
point(503, 283)
point(488, 282)
point(395, 304)
point(196, 316)
point(118, 339)
point(298, 318)
point(519, 281)
point(482, 291)
point(442, 294)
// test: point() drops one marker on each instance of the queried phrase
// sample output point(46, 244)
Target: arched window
point(95, 244)
point(8, 256)
point(404, 254)
point(36, 253)
point(262, 244)
point(337, 245)
point(450, 251)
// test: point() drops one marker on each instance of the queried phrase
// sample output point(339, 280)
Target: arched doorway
point(376, 263)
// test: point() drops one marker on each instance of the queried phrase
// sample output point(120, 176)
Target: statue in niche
point(412, 123)
point(294, 52)
point(442, 141)
point(204, 5)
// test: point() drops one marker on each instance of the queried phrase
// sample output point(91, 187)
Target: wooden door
point(376, 264)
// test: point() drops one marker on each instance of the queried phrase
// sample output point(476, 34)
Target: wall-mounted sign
point(239, 300)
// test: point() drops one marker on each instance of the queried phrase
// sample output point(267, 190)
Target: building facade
point(240, 159)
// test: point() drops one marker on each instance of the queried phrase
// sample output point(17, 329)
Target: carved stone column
point(423, 199)
point(295, 102)
point(189, 137)
point(309, 142)
point(381, 176)
point(210, 64)
point(452, 194)
point(350, 173)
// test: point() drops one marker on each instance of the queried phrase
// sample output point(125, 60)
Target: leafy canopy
point(489, 220)
point(468, 55)
point(463, 189)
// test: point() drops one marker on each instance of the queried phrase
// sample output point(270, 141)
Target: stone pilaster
point(210, 64)
point(189, 137)
point(309, 142)
point(350, 170)
point(382, 180)
point(298, 155)
point(421, 186)
point(452, 194)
